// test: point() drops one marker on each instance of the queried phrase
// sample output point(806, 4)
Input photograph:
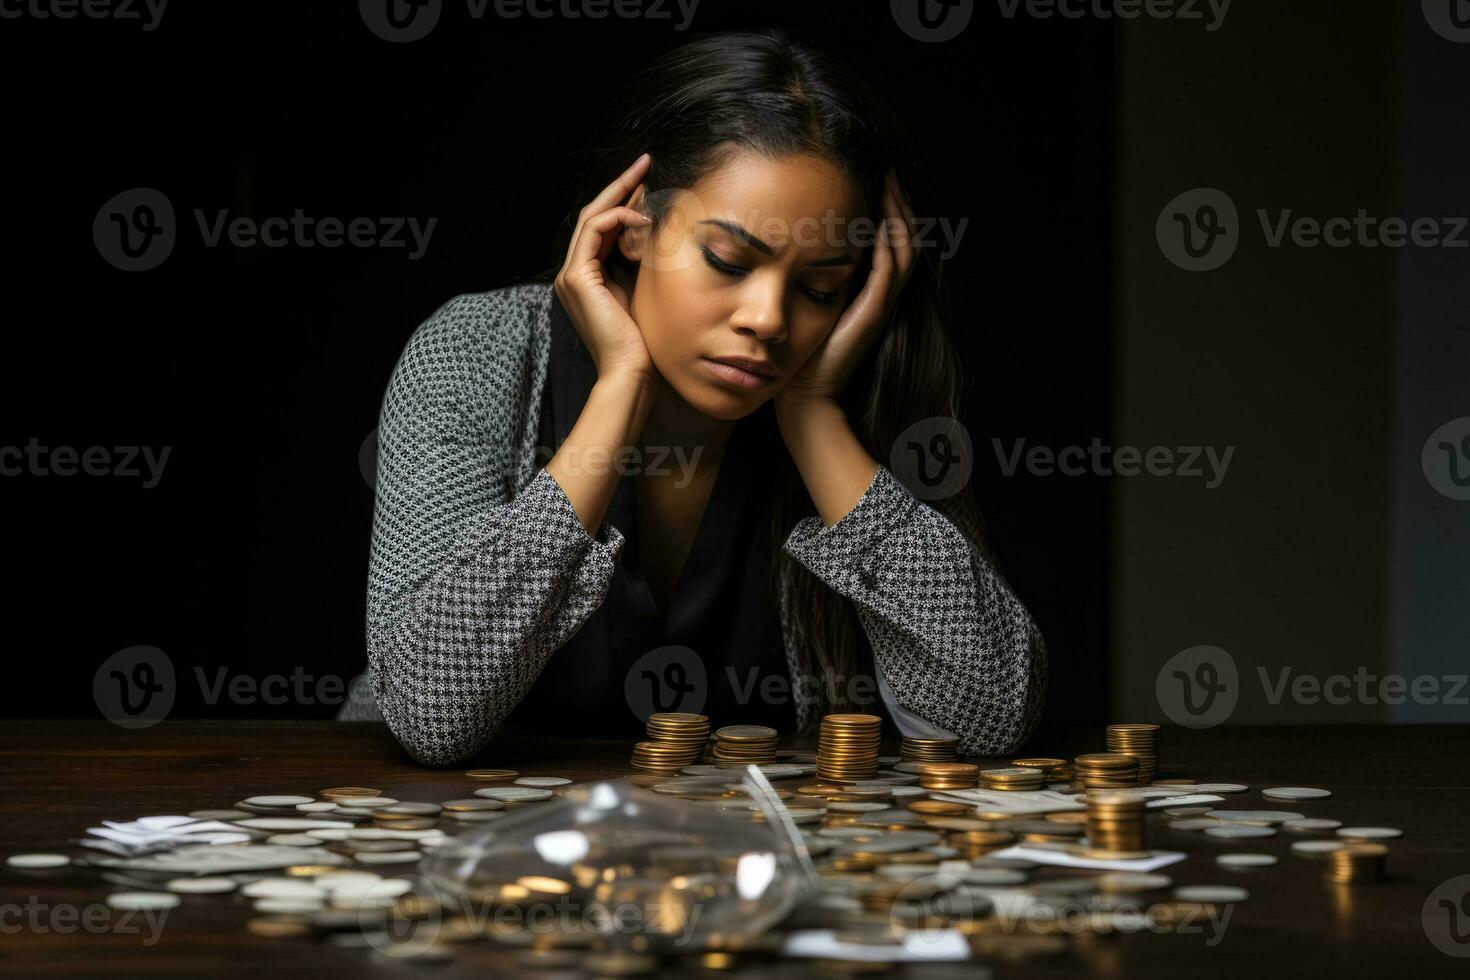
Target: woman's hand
point(598, 306)
point(825, 373)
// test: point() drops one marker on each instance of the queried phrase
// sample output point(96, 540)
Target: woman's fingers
point(614, 193)
point(596, 240)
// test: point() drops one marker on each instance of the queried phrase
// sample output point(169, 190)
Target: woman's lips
point(738, 376)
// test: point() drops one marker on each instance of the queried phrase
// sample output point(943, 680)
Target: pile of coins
point(1013, 779)
point(1141, 742)
point(847, 748)
point(948, 775)
point(1357, 862)
point(1054, 770)
point(1115, 821)
point(1105, 769)
point(675, 739)
point(928, 749)
point(737, 746)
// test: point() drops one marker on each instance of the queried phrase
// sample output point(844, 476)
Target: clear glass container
point(621, 868)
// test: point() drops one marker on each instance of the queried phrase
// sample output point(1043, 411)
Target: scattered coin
point(1211, 894)
point(388, 857)
point(492, 774)
point(1132, 881)
point(1369, 833)
point(514, 794)
point(1254, 816)
point(543, 781)
point(278, 800)
point(1240, 831)
point(142, 901)
point(1295, 793)
point(1245, 860)
point(1218, 788)
point(1310, 847)
point(277, 927)
point(38, 860)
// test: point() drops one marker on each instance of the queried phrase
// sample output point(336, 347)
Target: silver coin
point(900, 792)
point(845, 832)
point(282, 888)
point(201, 886)
point(292, 823)
point(856, 807)
point(1246, 860)
point(291, 801)
point(1216, 788)
point(366, 802)
point(990, 876)
point(905, 872)
point(388, 857)
point(219, 814)
point(476, 816)
point(804, 815)
point(288, 906)
point(895, 841)
point(1311, 825)
point(143, 901)
point(1253, 816)
point(1369, 833)
point(1240, 831)
point(414, 809)
point(293, 840)
point(1295, 793)
point(38, 860)
point(1194, 823)
point(479, 803)
point(543, 782)
point(514, 794)
point(1309, 847)
point(1186, 811)
point(322, 807)
point(1212, 894)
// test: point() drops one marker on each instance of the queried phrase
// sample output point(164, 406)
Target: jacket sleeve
point(470, 591)
point(954, 644)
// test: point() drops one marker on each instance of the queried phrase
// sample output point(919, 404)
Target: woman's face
point(755, 261)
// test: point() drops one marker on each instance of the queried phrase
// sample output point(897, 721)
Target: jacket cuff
point(548, 514)
point(840, 554)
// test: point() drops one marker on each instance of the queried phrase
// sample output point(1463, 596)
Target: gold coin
point(350, 791)
point(492, 774)
point(277, 927)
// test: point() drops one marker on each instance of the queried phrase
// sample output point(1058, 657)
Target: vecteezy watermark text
point(1101, 460)
point(403, 21)
point(36, 916)
point(147, 12)
point(35, 459)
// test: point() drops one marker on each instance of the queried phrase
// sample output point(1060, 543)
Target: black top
point(722, 610)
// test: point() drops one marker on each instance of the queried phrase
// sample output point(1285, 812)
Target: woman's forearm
point(586, 464)
point(833, 463)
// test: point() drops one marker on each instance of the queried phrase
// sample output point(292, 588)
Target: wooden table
point(64, 776)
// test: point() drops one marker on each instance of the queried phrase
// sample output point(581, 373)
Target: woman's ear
point(634, 239)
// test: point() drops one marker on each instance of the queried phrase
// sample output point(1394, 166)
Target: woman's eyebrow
point(746, 238)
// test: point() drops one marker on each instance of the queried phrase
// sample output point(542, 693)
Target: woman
point(739, 333)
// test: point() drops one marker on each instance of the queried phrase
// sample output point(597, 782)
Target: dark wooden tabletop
point(64, 776)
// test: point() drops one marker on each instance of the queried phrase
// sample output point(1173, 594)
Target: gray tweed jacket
point(480, 569)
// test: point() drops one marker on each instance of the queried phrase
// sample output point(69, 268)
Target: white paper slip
point(1014, 801)
point(919, 945)
point(1158, 859)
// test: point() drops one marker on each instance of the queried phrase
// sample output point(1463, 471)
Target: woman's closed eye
point(721, 266)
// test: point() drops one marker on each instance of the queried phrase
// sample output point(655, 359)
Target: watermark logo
point(134, 688)
point(400, 21)
point(1211, 12)
point(1450, 19)
point(1198, 230)
point(405, 21)
point(135, 230)
point(1446, 459)
point(669, 678)
point(1446, 917)
point(1198, 687)
point(932, 21)
point(1195, 462)
point(933, 458)
point(367, 459)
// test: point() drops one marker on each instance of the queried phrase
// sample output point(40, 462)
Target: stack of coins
point(737, 746)
point(1115, 821)
point(847, 748)
point(675, 739)
point(1105, 769)
point(1357, 862)
point(949, 775)
point(1054, 770)
point(1014, 778)
point(1141, 742)
point(977, 843)
point(928, 749)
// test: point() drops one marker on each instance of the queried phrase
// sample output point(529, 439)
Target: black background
point(263, 369)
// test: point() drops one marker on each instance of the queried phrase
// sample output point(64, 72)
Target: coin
point(1369, 833)
point(1311, 847)
point(492, 774)
point(290, 801)
point(1295, 793)
point(543, 781)
point(1131, 881)
point(1245, 860)
point(349, 791)
point(387, 857)
point(1211, 894)
point(514, 794)
point(474, 804)
point(282, 888)
point(1240, 831)
point(201, 886)
point(38, 860)
point(1310, 825)
point(1218, 788)
point(618, 964)
point(277, 927)
point(142, 901)
point(1253, 816)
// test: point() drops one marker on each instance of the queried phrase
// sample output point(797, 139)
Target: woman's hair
point(767, 92)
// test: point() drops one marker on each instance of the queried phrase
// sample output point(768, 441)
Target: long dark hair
point(768, 92)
